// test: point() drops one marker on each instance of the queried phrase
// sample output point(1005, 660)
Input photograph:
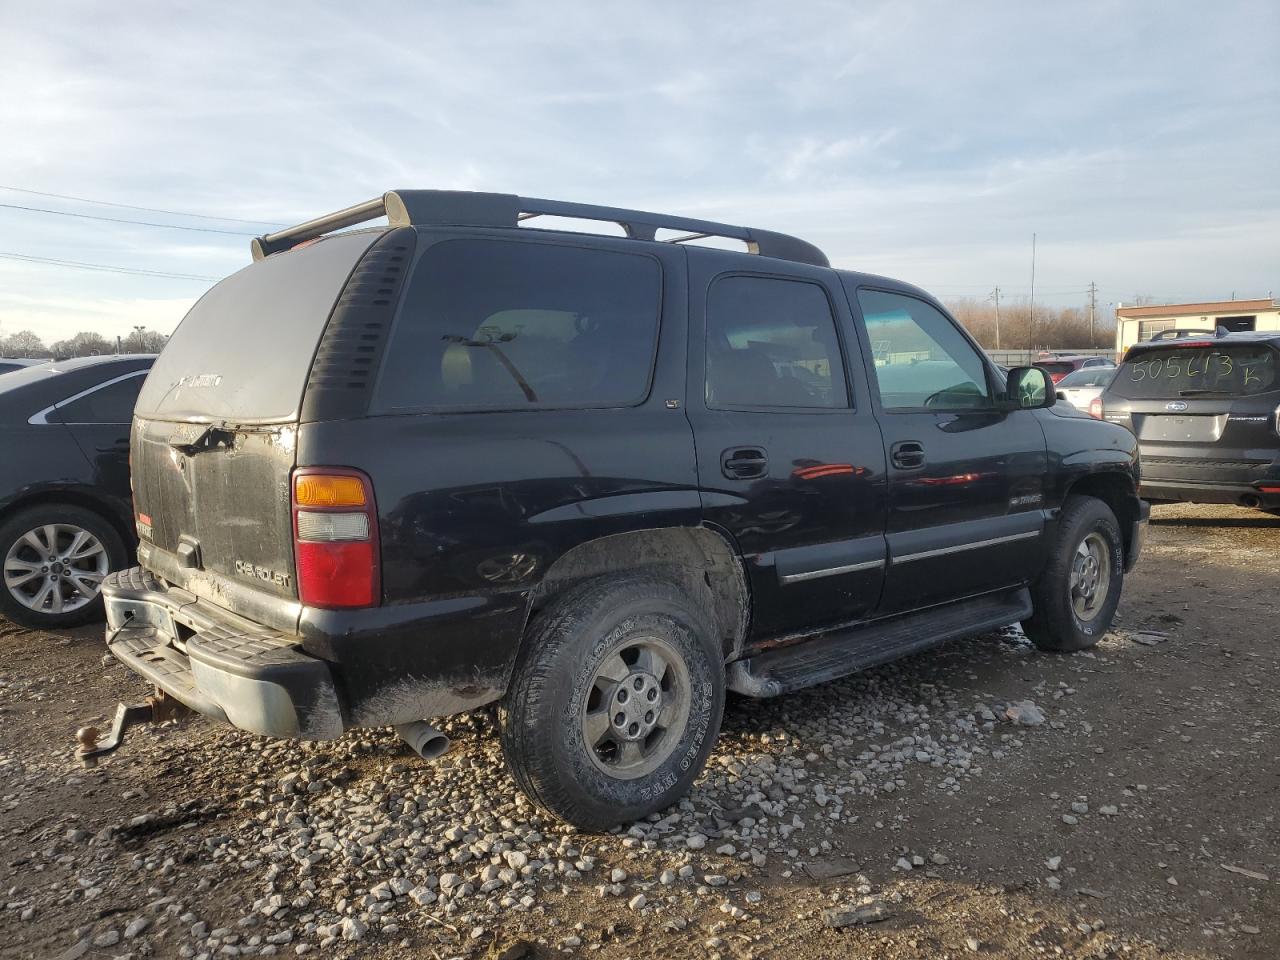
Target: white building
point(1142, 323)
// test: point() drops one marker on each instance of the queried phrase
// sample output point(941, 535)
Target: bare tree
point(1055, 329)
point(86, 343)
point(24, 343)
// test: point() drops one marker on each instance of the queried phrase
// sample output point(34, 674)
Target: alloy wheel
point(636, 710)
point(55, 568)
point(1090, 576)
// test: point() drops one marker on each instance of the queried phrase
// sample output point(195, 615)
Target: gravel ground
point(983, 798)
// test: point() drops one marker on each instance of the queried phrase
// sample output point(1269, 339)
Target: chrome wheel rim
point(636, 709)
point(55, 568)
point(1090, 576)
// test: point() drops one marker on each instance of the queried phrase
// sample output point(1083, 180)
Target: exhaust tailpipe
point(1251, 500)
point(423, 739)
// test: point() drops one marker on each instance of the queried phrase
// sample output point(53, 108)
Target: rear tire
point(52, 561)
point(1076, 595)
point(616, 702)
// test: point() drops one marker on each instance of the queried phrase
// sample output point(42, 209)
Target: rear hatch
point(215, 428)
point(1202, 411)
point(1057, 369)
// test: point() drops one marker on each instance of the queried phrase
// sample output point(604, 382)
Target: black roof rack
point(404, 208)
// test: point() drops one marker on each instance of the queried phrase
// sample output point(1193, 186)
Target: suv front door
point(966, 490)
point(790, 460)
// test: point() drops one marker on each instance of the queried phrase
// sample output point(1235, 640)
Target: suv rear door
point(790, 460)
point(965, 477)
point(214, 434)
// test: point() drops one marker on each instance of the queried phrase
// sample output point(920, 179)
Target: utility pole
point(995, 295)
point(137, 330)
point(1031, 324)
point(1093, 305)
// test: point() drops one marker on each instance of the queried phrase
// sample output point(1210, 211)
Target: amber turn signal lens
point(323, 490)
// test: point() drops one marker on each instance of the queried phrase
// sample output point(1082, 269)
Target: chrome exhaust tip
point(423, 739)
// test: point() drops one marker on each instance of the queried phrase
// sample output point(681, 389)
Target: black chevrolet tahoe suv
point(1206, 411)
point(393, 474)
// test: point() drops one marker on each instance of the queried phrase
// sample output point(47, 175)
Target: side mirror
point(1029, 388)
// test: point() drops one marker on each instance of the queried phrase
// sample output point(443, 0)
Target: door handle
point(744, 463)
point(907, 454)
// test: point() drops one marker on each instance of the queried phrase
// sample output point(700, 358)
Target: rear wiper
point(1201, 392)
point(210, 439)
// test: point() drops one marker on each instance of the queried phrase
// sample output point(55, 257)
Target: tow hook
point(157, 708)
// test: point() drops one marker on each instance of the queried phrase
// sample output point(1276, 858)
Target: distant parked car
point(8, 364)
point(1059, 367)
point(1206, 412)
point(65, 514)
point(1084, 386)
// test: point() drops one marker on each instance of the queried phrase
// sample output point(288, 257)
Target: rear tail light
point(335, 529)
point(1095, 408)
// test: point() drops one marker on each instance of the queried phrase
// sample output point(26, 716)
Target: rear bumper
point(1209, 491)
point(218, 664)
point(1137, 535)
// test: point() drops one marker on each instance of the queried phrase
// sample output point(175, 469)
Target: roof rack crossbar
point(462, 208)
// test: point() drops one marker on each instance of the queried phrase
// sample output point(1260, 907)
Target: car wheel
point(616, 702)
point(1076, 595)
point(53, 558)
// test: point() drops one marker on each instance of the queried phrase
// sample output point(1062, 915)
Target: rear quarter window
point(1236, 371)
point(501, 325)
point(244, 350)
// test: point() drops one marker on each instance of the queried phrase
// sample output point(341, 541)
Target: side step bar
point(842, 652)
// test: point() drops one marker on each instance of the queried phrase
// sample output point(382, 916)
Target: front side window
point(772, 343)
point(490, 324)
point(110, 404)
point(921, 358)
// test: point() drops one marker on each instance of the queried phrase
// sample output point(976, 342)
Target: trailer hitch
point(157, 708)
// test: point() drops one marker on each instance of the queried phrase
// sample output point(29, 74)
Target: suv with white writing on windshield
point(393, 474)
point(1206, 412)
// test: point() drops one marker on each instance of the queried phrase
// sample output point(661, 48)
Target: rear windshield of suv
point(1235, 371)
point(501, 325)
point(1056, 366)
point(243, 352)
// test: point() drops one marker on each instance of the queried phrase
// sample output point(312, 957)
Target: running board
point(842, 652)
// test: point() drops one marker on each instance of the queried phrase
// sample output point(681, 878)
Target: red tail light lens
point(335, 529)
point(1095, 408)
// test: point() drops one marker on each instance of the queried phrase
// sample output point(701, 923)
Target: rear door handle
point(744, 463)
point(907, 454)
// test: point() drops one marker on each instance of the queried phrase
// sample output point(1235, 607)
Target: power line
point(130, 206)
point(105, 268)
point(140, 223)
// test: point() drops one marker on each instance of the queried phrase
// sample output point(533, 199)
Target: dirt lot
point(1140, 819)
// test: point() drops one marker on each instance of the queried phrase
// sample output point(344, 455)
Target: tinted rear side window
point(772, 343)
point(110, 404)
point(244, 350)
point(492, 324)
point(1234, 371)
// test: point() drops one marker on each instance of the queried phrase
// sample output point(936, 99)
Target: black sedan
point(9, 364)
point(66, 517)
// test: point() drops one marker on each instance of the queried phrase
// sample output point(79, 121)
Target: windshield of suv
point(1234, 371)
point(1092, 377)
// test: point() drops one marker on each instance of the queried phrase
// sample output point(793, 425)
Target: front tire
point(616, 702)
point(1076, 595)
point(53, 558)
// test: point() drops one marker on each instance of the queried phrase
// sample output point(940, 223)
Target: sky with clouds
point(928, 141)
